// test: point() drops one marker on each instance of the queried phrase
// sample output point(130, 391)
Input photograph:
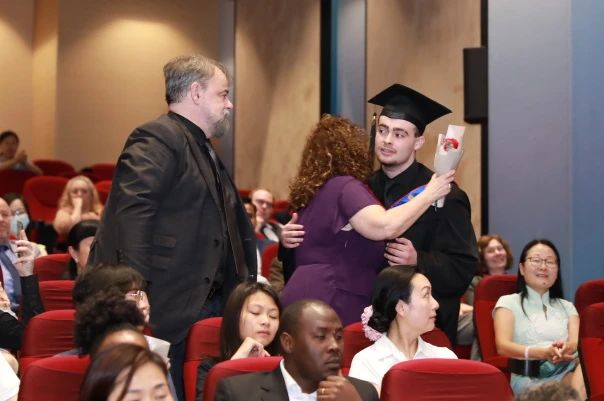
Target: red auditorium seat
point(14, 181)
point(269, 253)
point(244, 192)
point(590, 292)
point(281, 205)
point(57, 294)
point(591, 349)
point(45, 335)
point(487, 293)
point(54, 167)
point(445, 379)
point(42, 195)
point(236, 367)
point(51, 267)
point(103, 188)
point(203, 341)
point(104, 171)
point(54, 379)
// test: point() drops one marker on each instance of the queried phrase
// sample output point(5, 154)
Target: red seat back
point(244, 192)
point(54, 167)
point(42, 195)
point(488, 291)
point(281, 205)
point(236, 367)
point(203, 341)
point(590, 292)
point(57, 294)
point(104, 171)
point(445, 379)
point(269, 253)
point(14, 181)
point(47, 334)
point(54, 379)
point(354, 341)
point(591, 347)
point(103, 188)
point(51, 267)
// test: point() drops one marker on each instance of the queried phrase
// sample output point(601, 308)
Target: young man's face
point(396, 143)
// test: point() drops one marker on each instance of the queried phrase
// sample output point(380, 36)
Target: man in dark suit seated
point(311, 339)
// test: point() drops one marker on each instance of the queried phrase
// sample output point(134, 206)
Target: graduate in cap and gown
point(345, 225)
point(442, 242)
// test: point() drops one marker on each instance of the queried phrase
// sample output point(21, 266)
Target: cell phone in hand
point(19, 224)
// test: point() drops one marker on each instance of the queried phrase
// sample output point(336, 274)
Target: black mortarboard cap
point(403, 103)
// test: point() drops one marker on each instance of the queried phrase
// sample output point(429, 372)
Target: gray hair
point(182, 71)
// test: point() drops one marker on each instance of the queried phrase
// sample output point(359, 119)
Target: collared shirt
point(294, 391)
point(543, 320)
point(7, 278)
point(372, 363)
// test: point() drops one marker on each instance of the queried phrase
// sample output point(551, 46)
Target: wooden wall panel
point(277, 92)
point(419, 43)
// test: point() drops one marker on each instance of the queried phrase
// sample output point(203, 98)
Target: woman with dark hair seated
point(537, 327)
point(125, 372)
point(249, 325)
point(79, 240)
point(10, 158)
point(403, 310)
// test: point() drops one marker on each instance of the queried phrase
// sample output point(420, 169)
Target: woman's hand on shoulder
point(439, 186)
point(250, 348)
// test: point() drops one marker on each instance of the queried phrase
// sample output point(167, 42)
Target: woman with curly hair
point(79, 201)
point(345, 225)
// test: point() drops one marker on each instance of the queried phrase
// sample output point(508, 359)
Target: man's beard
point(221, 127)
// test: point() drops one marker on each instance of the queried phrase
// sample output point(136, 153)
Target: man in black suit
point(311, 338)
point(173, 212)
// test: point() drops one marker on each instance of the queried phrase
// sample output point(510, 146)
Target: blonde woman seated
point(403, 310)
point(537, 327)
point(79, 201)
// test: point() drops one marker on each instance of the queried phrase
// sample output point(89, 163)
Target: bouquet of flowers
point(449, 149)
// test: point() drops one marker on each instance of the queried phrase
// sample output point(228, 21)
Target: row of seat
point(51, 332)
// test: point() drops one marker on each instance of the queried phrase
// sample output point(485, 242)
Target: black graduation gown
point(443, 238)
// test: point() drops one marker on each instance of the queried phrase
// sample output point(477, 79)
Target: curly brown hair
point(336, 147)
point(483, 242)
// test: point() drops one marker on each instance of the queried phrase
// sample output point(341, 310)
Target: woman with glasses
point(79, 201)
point(536, 327)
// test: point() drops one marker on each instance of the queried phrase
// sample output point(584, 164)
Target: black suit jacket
point(270, 386)
point(165, 217)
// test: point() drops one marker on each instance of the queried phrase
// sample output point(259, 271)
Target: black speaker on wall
point(476, 84)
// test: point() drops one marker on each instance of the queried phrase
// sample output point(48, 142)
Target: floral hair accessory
point(370, 333)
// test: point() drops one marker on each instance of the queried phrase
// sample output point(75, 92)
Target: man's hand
point(292, 234)
point(400, 251)
point(337, 388)
point(25, 252)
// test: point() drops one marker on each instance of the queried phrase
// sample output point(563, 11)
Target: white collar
point(533, 297)
point(384, 348)
point(292, 386)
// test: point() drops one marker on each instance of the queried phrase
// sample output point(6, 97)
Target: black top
point(443, 238)
point(11, 329)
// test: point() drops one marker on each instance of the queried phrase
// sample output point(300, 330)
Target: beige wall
point(109, 74)
point(419, 43)
point(277, 68)
point(16, 36)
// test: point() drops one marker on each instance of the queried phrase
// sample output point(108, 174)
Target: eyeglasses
point(136, 295)
point(263, 202)
point(536, 261)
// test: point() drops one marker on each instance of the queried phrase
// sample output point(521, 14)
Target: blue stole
point(412, 194)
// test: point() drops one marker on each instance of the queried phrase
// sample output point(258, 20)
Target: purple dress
point(335, 263)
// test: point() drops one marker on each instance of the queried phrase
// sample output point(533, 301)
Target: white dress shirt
point(294, 392)
point(9, 382)
point(372, 363)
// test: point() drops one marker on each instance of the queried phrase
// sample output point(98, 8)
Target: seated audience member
point(537, 325)
point(494, 257)
point(9, 382)
point(79, 201)
point(16, 259)
point(20, 213)
point(264, 200)
point(311, 342)
point(403, 310)
point(124, 279)
point(126, 372)
point(79, 240)
point(10, 158)
point(101, 313)
point(249, 326)
point(550, 391)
